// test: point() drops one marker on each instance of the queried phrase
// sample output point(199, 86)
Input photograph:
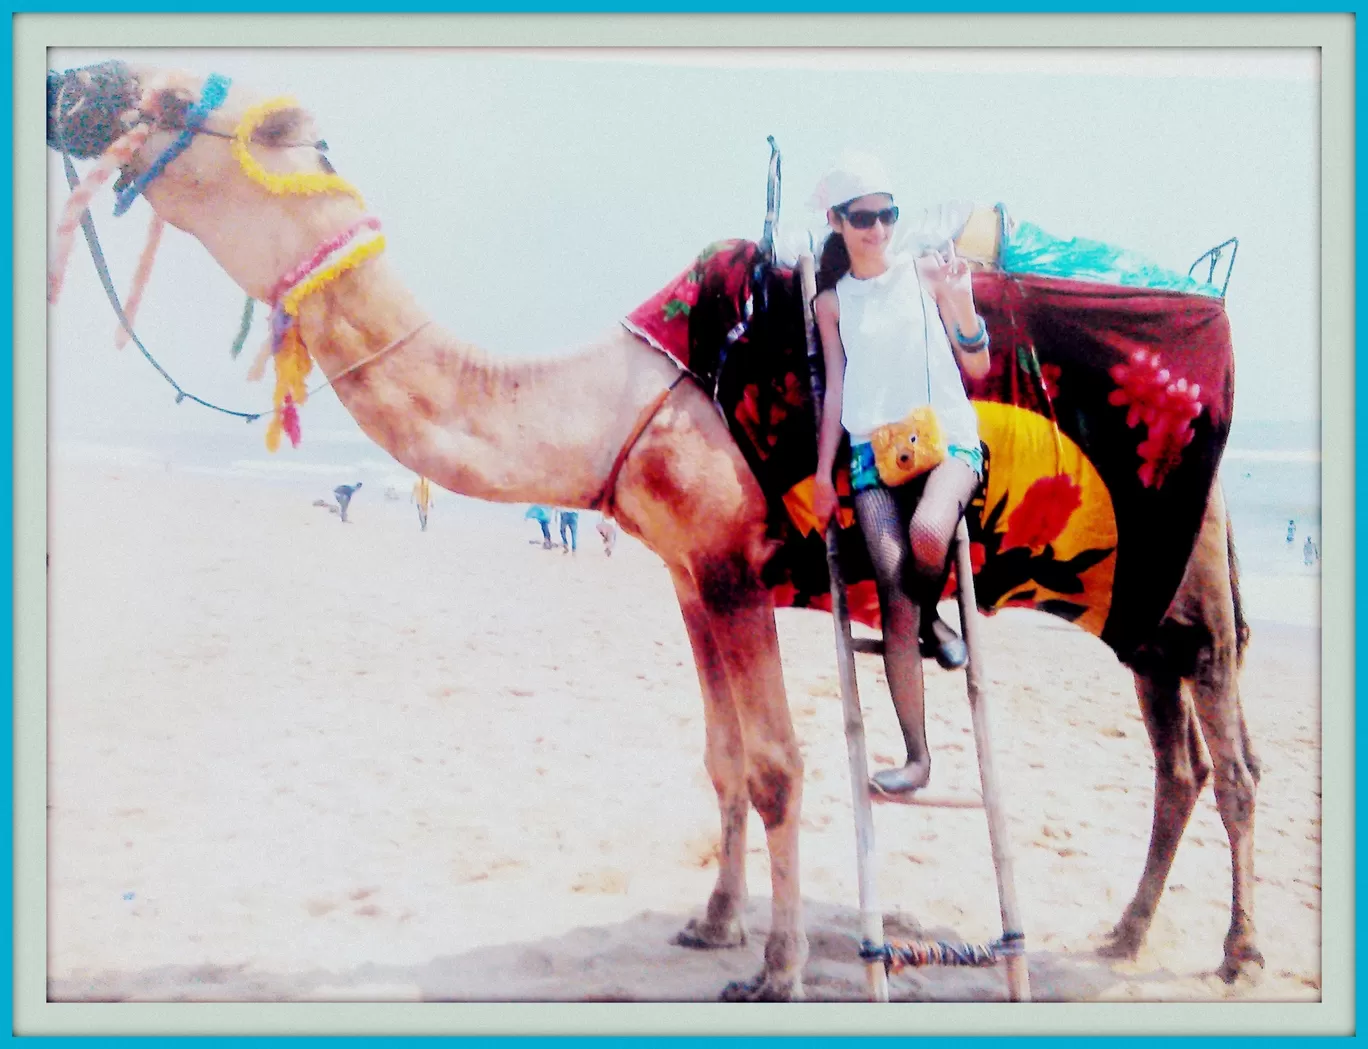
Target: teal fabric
point(864, 474)
point(970, 457)
point(1029, 249)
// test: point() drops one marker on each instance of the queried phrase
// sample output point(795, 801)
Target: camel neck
point(507, 431)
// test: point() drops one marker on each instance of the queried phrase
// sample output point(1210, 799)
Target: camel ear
point(169, 106)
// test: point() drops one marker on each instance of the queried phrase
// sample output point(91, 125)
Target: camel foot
point(708, 936)
point(1124, 941)
point(767, 987)
point(1240, 957)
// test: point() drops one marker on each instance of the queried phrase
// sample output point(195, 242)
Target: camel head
point(245, 175)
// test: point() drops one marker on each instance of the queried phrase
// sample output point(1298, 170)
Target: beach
point(295, 760)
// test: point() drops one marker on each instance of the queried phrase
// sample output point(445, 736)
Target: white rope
point(367, 360)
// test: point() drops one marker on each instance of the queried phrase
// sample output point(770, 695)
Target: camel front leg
point(1181, 770)
point(723, 925)
point(741, 618)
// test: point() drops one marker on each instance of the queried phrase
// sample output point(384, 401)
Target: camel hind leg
point(1213, 600)
point(1181, 770)
point(1217, 702)
point(1201, 640)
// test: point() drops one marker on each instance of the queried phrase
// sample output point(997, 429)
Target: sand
point(294, 760)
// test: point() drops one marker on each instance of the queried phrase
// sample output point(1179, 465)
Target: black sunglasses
point(864, 219)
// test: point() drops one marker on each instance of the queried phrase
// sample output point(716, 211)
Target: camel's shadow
point(632, 961)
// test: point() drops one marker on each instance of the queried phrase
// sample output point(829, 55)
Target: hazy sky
point(532, 199)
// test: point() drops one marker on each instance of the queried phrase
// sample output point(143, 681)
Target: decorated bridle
point(285, 348)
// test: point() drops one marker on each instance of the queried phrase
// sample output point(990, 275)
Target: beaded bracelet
point(978, 343)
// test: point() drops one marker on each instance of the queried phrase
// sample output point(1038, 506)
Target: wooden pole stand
point(871, 914)
point(862, 793)
point(1018, 981)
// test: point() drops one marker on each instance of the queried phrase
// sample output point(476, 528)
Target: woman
point(896, 331)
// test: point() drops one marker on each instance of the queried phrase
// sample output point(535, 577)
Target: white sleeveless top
point(889, 325)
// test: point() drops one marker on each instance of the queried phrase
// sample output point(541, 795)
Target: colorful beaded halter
point(345, 251)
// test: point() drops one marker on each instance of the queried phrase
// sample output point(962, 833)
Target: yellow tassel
point(273, 432)
point(359, 254)
point(280, 185)
point(292, 367)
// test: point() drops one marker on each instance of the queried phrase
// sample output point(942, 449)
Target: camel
point(612, 427)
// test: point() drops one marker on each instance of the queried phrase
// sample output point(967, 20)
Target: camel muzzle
point(85, 107)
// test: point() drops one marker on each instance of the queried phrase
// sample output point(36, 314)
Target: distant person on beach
point(422, 495)
point(344, 493)
point(542, 516)
point(569, 522)
point(1310, 552)
point(607, 530)
point(1291, 532)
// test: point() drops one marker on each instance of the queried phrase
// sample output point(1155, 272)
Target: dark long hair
point(834, 263)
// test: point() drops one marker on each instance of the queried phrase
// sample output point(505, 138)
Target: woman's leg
point(910, 555)
point(949, 487)
point(885, 529)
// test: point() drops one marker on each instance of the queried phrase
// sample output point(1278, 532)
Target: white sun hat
point(855, 174)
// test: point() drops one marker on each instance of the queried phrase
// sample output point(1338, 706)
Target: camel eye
point(278, 129)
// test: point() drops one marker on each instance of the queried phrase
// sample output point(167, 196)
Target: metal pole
point(1018, 980)
point(871, 915)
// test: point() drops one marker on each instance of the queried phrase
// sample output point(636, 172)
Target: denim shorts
point(865, 475)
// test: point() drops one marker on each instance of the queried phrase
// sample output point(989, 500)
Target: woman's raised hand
point(947, 275)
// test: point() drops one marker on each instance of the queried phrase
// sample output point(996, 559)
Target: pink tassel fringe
point(289, 420)
point(115, 157)
point(140, 276)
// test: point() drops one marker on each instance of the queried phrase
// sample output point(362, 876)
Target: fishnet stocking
point(909, 530)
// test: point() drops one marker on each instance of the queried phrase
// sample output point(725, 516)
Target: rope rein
point(367, 360)
point(102, 269)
